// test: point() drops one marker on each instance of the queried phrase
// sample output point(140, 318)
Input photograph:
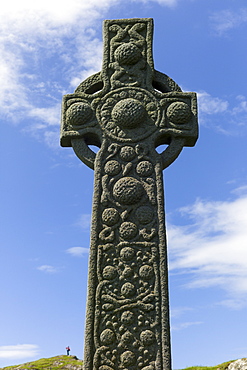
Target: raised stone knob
point(179, 112)
point(128, 113)
point(128, 54)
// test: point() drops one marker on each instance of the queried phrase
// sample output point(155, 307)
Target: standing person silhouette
point(68, 349)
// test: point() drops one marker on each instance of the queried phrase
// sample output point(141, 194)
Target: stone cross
point(128, 110)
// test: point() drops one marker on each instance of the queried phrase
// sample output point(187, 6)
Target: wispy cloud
point(179, 311)
point(84, 221)
point(211, 247)
point(227, 19)
point(49, 115)
point(185, 325)
point(19, 351)
point(241, 190)
point(48, 48)
point(242, 105)
point(217, 114)
point(211, 105)
point(77, 251)
point(170, 3)
point(48, 269)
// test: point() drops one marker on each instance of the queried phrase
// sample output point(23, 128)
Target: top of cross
point(128, 101)
point(128, 59)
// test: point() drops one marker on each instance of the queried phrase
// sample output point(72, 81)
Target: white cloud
point(48, 269)
point(229, 120)
point(226, 20)
point(170, 3)
point(49, 115)
point(52, 139)
point(77, 251)
point(241, 106)
point(45, 124)
point(48, 47)
point(239, 113)
point(48, 40)
point(179, 311)
point(19, 351)
point(185, 325)
point(84, 221)
point(211, 248)
point(211, 105)
point(41, 16)
point(241, 190)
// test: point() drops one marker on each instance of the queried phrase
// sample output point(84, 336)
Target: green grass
point(52, 363)
point(222, 366)
point(63, 362)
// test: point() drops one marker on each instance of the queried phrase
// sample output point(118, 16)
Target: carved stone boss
point(128, 109)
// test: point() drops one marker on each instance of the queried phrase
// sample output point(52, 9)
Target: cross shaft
point(128, 110)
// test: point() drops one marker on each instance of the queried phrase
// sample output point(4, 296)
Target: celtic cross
point(128, 110)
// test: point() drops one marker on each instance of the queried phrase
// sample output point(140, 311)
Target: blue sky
point(47, 49)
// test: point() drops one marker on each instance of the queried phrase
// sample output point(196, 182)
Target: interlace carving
point(128, 110)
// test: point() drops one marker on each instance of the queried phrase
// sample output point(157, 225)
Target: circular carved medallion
point(127, 272)
point(79, 113)
point(112, 167)
point(107, 337)
point(147, 337)
point(144, 214)
point(128, 190)
point(146, 272)
point(129, 113)
point(128, 358)
point(127, 317)
point(127, 253)
point(109, 272)
point(179, 112)
point(144, 168)
point(110, 216)
point(127, 153)
point(126, 337)
point(128, 290)
point(127, 53)
point(128, 230)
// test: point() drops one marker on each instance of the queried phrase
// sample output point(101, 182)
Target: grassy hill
point(53, 363)
point(217, 367)
point(73, 363)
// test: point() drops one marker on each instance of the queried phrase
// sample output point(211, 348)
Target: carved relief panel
point(128, 109)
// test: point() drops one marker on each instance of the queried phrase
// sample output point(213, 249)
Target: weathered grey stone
point(128, 109)
point(240, 364)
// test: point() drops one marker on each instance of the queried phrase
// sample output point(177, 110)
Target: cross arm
point(178, 126)
point(80, 127)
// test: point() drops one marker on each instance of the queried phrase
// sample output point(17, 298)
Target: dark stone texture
point(128, 109)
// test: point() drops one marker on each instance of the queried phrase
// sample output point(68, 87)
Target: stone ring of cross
point(130, 114)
